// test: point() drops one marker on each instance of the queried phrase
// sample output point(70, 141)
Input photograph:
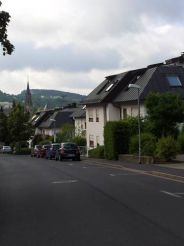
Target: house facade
point(79, 117)
point(113, 99)
point(50, 122)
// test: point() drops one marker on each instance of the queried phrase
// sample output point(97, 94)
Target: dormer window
point(109, 87)
point(174, 80)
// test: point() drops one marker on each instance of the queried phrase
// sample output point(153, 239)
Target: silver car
point(6, 149)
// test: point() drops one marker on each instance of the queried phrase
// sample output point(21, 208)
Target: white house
point(50, 122)
point(113, 99)
point(79, 117)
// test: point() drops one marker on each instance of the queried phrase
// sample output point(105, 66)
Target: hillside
point(40, 98)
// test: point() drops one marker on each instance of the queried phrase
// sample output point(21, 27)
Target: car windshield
point(70, 146)
point(38, 146)
point(46, 146)
point(56, 146)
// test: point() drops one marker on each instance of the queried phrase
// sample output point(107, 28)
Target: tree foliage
point(19, 127)
point(3, 126)
point(164, 112)
point(4, 21)
point(148, 144)
point(166, 148)
point(66, 133)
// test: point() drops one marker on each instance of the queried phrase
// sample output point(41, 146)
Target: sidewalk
point(175, 166)
point(168, 170)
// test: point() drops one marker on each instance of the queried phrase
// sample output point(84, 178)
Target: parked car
point(36, 151)
point(51, 152)
point(44, 149)
point(6, 149)
point(68, 151)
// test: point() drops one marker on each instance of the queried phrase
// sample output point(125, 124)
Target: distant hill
point(40, 98)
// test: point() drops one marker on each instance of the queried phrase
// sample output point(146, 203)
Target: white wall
point(45, 132)
point(132, 110)
point(80, 124)
point(112, 112)
point(95, 129)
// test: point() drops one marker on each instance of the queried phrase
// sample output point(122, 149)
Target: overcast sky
point(71, 45)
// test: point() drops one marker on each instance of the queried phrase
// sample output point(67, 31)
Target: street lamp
point(53, 120)
point(139, 125)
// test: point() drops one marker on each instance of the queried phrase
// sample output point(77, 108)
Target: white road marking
point(171, 194)
point(65, 181)
point(179, 193)
point(70, 164)
point(123, 174)
point(84, 167)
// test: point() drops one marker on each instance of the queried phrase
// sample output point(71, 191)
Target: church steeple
point(28, 99)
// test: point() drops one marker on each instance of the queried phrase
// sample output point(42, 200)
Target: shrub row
point(117, 137)
point(97, 152)
point(165, 148)
point(22, 151)
point(121, 137)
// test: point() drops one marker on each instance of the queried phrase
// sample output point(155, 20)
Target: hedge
point(22, 151)
point(96, 152)
point(116, 139)
point(148, 144)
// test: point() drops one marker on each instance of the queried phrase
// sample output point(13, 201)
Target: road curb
point(167, 175)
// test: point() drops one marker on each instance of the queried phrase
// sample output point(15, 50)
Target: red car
point(44, 149)
point(36, 151)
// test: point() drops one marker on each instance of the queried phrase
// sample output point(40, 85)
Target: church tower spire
point(28, 99)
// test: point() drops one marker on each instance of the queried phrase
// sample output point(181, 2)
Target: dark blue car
point(51, 152)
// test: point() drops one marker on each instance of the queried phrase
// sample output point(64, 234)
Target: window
point(90, 115)
point(174, 80)
point(109, 87)
point(124, 113)
point(97, 115)
point(91, 141)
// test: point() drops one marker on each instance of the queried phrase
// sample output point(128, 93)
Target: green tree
point(164, 112)
point(66, 133)
point(4, 21)
point(167, 148)
point(20, 129)
point(3, 126)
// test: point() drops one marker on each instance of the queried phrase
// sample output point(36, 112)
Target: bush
point(97, 152)
point(80, 141)
point(180, 142)
point(22, 151)
point(148, 144)
point(48, 140)
point(166, 148)
point(116, 139)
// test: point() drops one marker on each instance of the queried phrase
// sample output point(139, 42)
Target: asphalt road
point(49, 203)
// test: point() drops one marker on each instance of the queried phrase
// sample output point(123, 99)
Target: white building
point(79, 117)
point(113, 99)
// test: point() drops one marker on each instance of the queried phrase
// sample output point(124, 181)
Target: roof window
point(174, 80)
point(109, 87)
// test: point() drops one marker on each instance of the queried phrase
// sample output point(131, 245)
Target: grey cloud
point(68, 58)
point(119, 17)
